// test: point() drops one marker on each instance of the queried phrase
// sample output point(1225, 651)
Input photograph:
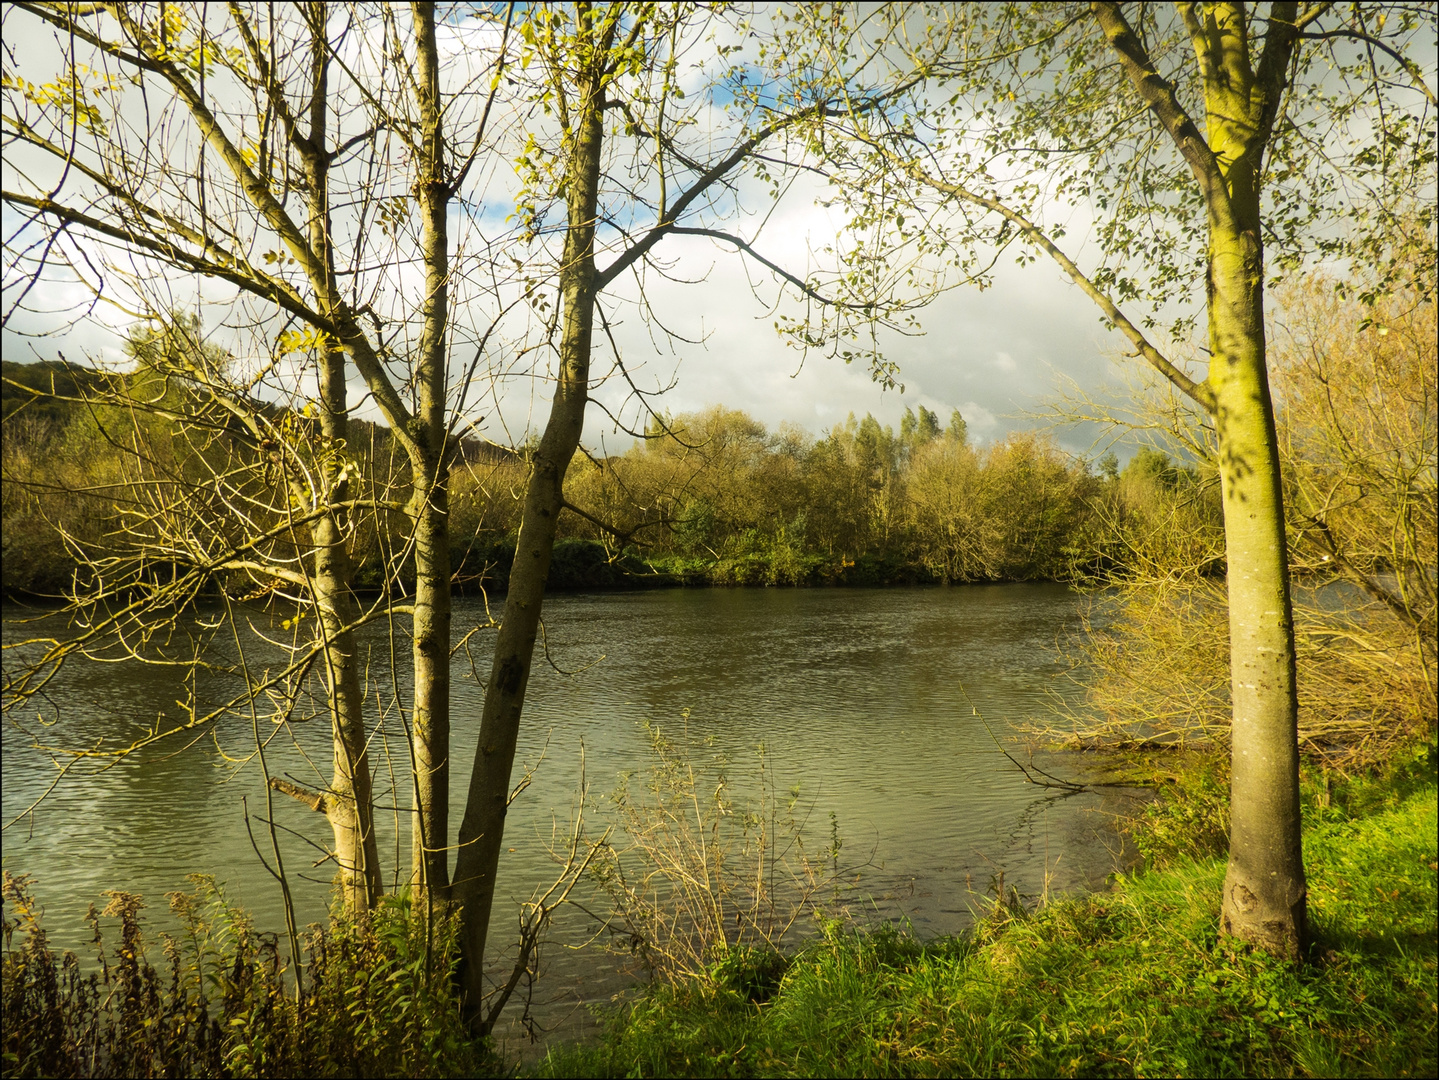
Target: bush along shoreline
point(219, 999)
point(580, 565)
point(1129, 982)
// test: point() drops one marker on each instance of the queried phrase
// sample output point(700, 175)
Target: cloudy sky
point(998, 355)
point(994, 355)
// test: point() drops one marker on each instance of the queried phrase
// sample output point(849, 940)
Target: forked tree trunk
point(349, 803)
point(482, 829)
point(1264, 889)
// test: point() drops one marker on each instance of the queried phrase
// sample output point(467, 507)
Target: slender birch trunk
point(482, 829)
point(429, 506)
point(349, 802)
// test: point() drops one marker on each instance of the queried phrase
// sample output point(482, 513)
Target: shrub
point(713, 877)
point(374, 998)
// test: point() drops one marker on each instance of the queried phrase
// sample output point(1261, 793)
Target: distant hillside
point(54, 380)
point(46, 378)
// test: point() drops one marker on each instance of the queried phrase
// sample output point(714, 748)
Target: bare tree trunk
point(429, 507)
point(482, 829)
point(349, 804)
point(1264, 889)
point(432, 682)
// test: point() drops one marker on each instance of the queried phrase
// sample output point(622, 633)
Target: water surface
point(870, 700)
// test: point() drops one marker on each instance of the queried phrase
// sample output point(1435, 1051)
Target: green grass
point(1126, 983)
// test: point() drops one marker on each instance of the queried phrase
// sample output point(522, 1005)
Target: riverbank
point(583, 566)
point(1128, 982)
point(725, 503)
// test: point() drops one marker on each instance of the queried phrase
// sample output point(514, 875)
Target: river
point(874, 702)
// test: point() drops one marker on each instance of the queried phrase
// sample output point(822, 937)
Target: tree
point(1200, 138)
point(958, 429)
point(1354, 409)
point(609, 78)
point(1358, 405)
point(248, 149)
point(915, 430)
point(295, 158)
point(1357, 387)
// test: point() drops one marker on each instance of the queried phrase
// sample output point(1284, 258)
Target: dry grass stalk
point(1156, 673)
point(707, 868)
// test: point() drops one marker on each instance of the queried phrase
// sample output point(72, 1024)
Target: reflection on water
point(861, 697)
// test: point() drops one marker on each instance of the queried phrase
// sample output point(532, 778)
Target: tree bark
point(429, 505)
point(1264, 889)
point(1265, 892)
point(1264, 900)
point(482, 829)
point(431, 718)
point(349, 804)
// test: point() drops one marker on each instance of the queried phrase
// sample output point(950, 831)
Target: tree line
point(709, 498)
point(716, 498)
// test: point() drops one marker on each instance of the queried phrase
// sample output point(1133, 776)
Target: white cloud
point(993, 354)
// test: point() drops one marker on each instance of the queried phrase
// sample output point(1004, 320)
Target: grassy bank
point(1129, 982)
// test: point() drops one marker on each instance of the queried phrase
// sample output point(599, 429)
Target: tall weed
point(713, 873)
point(375, 996)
